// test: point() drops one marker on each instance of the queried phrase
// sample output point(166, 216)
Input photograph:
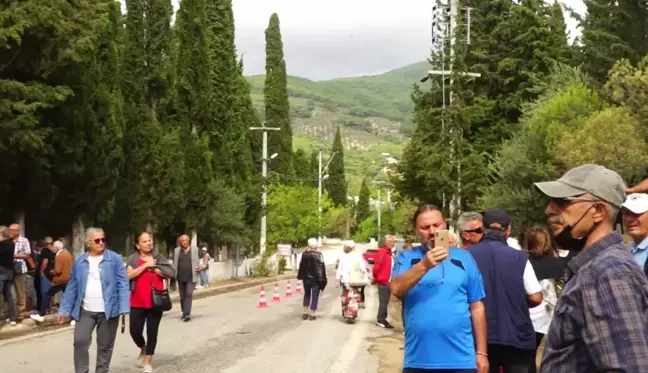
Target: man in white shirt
point(96, 295)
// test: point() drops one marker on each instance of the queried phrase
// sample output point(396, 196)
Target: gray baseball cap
point(596, 180)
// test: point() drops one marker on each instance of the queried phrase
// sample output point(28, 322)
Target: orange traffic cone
point(275, 296)
point(262, 299)
point(298, 288)
point(288, 290)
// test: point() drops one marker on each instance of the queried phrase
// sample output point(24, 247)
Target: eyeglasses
point(479, 230)
point(562, 202)
point(100, 240)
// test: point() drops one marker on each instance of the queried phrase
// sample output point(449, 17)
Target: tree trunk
point(78, 236)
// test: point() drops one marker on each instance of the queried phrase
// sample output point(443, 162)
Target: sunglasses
point(100, 240)
point(562, 202)
point(479, 230)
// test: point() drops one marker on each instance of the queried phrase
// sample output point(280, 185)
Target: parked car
point(370, 255)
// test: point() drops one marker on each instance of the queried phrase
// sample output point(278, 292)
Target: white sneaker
point(12, 323)
point(199, 287)
point(148, 369)
point(37, 318)
point(72, 323)
point(140, 361)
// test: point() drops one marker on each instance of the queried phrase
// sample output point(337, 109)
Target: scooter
point(350, 300)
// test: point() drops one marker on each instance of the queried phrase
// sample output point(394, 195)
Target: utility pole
point(264, 193)
point(444, 24)
point(379, 206)
point(321, 176)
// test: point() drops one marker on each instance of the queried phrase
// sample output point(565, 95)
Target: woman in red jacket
point(146, 270)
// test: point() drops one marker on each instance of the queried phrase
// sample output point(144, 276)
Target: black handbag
point(161, 298)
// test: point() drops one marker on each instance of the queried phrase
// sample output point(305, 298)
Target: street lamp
point(264, 173)
point(321, 176)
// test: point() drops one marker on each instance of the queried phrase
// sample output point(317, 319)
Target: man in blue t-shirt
point(442, 295)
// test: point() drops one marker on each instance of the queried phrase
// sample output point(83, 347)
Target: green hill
point(373, 112)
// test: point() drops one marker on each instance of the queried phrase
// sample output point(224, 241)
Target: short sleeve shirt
point(436, 311)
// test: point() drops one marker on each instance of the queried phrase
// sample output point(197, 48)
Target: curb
point(29, 326)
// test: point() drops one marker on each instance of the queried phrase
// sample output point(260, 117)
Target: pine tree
point(612, 30)
point(363, 210)
point(336, 183)
point(277, 107)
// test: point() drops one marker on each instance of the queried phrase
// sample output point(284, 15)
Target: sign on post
point(284, 249)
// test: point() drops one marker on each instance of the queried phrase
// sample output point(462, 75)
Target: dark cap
point(496, 219)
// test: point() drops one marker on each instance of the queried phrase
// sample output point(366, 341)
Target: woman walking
point(147, 270)
point(548, 267)
point(312, 272)
point(353, 276)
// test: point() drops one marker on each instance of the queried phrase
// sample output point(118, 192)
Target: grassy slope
point(372, 111)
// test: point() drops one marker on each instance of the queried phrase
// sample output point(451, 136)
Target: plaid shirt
point(21, 247)
point(600, 322)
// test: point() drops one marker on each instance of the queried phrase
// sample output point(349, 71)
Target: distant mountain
point(373, 112)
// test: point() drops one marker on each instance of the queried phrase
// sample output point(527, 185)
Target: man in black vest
point(600, 322)
point(511, 289)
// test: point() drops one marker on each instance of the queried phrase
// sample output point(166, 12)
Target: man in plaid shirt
point(600, 322)
point(21, 252)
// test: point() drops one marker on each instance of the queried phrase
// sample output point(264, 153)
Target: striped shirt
point(22, 247)
point(600, 322)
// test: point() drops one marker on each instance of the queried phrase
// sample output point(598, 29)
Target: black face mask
point(566, 241)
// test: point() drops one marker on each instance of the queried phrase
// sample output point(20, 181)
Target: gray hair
point(390, 237)
point(4, 232)
point(465, 218)
point(58, 245)
point(90, 232)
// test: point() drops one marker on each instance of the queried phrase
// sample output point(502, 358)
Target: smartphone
point(442, 239)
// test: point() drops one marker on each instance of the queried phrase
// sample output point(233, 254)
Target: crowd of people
point(487, 304)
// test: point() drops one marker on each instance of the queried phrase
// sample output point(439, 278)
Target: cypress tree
point(336, 183)
point(363, 210)
point(302, 166)
point(277, 107)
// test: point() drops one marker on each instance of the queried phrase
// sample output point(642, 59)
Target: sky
point(325, 39)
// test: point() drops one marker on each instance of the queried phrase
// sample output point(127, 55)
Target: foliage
point(293, 214)
point(281, 265)
point(261, 266)
point(275, 94)
point(336, 183)
point(363, 210)
point(569, 125)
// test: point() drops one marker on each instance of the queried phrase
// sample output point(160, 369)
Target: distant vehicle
point(370, 255)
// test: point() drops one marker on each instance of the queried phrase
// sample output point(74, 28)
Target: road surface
point(227, 334)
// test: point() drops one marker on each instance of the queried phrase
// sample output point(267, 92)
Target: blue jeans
point(311, 294)
point(204, 277)
point(45, 285)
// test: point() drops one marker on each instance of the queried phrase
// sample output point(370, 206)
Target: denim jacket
point(114, 284)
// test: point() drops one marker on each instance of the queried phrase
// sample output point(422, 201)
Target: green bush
point(282, 265)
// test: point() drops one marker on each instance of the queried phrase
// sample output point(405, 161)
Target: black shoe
point(186, 318)
point(305, 316)
point(311, 317)
point(385, 324)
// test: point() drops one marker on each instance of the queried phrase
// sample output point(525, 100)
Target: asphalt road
point(228, 334)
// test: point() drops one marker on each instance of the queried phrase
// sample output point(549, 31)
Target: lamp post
point(264, 173)
point(321, 176)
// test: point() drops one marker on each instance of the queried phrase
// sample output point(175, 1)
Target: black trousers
point(138, 318)
point(361, 291)
point(511, 359)
point(383, 302)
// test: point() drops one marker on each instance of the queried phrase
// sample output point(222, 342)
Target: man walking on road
point(600, 320)
point(382, 272)
point(96, 295)
point(185, 260)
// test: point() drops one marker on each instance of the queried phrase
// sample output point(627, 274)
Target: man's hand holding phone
point(435, 256)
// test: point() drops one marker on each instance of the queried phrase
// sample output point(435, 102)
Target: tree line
point(542, 105)
point(134, 121)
